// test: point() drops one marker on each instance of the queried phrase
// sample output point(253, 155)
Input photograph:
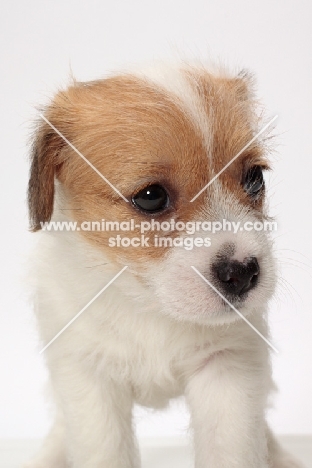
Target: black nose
point(236, 278)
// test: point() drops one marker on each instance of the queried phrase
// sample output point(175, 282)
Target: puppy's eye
point(151, 199)
point(253, 182)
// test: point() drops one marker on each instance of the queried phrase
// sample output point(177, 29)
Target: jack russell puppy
point(131, 316)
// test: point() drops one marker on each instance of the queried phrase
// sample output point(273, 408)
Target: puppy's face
point(159, 140)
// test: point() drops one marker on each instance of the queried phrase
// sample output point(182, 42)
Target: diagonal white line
point(82, 310)
point(235, 310)
point(83, 157)
point(235, 157)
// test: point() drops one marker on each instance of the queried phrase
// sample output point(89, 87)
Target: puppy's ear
point(244, 85)
point(45, 150)
point(46, 160)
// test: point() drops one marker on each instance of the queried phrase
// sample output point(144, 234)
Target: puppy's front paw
point(34, 464)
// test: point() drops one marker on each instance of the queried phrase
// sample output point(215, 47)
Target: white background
point(41, 41)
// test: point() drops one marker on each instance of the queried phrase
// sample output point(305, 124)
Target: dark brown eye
point(253, 182)
point(151, 199)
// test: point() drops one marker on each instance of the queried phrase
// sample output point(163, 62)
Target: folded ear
point(244, 85)
point(47, 158)
point(45, 150)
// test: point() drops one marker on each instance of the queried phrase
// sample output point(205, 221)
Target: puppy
point(139, 320)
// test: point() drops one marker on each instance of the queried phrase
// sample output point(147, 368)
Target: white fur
point(151, 337)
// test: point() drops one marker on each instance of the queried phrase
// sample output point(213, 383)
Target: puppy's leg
point(52, 453)
point(226, 399)
point(98, 415)
point(278, 456)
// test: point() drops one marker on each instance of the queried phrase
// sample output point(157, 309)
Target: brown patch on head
point(137, 135)
point(230, 104)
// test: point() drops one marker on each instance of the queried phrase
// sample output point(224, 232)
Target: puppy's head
point(158, 138)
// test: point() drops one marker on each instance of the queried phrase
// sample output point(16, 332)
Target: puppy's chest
point(154, 357)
